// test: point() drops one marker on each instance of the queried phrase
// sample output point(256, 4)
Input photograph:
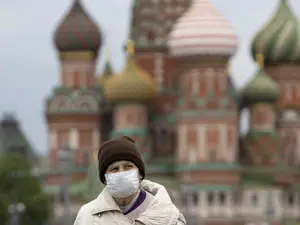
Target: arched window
point(212, 155)
point(291, 158)
point(85, 106)
point(236, 197)
point(254, 199)
point(164, 140)
point(290, 198)
point(76, 79)
point(222, 198)
point(210, 198)
point(196, 198)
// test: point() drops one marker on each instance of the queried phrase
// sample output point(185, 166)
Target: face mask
point(122, 184)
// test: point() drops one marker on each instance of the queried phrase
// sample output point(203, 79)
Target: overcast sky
point(29, 64)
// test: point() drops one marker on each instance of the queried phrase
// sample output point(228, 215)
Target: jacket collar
point(105, 202)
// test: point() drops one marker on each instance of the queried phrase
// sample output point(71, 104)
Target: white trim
point(222, 83)
point(159, 70)
point(288, 92)
point(52, 139)
point(210, 83)
point(182, 137)
point(73, 138)
point(201, 140)
point(297, 155)
point(195, 84)
point(297, 91)
point(69, 79)
point(198, 82)
point(205, 149)
point(223, 147)
point(192, 155)
point(82, 79)
point(96, 138)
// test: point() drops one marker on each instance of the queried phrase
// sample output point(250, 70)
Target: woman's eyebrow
point(113, 167)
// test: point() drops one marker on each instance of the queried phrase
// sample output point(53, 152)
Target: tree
point(17, 184)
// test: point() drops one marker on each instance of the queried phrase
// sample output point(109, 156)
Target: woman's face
point(120, 166)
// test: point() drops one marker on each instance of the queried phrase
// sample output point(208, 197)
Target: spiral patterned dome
point(261, 88)
point(132, 84)
point(202, 30)
point(77, 31)
point(279, 40)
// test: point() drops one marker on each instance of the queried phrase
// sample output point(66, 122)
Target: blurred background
point(210, 92)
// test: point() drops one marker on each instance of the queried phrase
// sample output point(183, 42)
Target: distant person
point(127, 199)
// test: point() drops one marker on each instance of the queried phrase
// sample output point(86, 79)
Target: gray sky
point(29, 64)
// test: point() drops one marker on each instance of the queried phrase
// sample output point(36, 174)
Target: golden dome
point(132, 84)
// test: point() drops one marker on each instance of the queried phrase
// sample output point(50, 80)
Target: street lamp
point(15, 210)
point(66, 158)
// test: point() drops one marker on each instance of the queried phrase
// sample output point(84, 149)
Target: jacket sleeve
point(84, 217)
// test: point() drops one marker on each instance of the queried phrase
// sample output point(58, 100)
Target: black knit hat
point(122, 148)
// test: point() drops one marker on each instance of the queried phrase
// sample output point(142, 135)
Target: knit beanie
point(122, 148)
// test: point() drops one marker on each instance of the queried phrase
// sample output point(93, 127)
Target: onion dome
point(279, 40)
point(107, 72)
point(260, 89)
point(77, 31)
point(132, 84)
point(202, 30)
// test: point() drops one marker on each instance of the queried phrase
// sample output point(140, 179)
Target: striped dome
point(279, 40)
point(77, 31)
point(202, 30)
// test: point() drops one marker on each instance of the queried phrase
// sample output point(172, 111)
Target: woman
point(127, 198)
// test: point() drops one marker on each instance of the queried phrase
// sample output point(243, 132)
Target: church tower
point(279, 42)
point(72, 111)
point(203, 42)
point(131, 92)
point(151, 23)
point(262, 141)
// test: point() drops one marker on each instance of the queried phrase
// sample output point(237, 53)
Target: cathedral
point(176, 98)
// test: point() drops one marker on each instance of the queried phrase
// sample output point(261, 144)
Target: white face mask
point(123, 184)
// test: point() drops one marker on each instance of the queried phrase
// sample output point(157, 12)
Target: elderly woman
point(127, 198)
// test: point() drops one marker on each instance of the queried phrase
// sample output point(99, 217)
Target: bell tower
point(150, 25)
point(72, 110)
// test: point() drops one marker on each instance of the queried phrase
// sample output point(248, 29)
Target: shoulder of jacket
point(86, 210)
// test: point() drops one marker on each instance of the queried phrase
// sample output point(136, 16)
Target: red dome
point(77, 31)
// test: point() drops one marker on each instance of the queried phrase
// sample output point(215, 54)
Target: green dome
point(260, 89)
point(279, 40)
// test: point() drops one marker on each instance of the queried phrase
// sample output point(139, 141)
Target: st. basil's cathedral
point(176, 98)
